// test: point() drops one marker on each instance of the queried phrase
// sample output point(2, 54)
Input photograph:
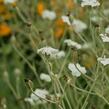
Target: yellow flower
point(5, 30)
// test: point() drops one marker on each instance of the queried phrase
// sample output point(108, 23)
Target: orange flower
point(59, 32)
point(5, 30)
point(40, 7)
point(59, 22)
point(70, 4)
point(59, 28)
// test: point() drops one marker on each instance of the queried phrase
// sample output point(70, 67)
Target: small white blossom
point(107, 30)
point(47, 50)
point(72, 43)
point(79, 26)
point(96, 19)
point(51, 15)
point(58, 55)
point(45, 77)
point(31, 101)
point(76, 69)
point(87, 45)
point(104, 37)
point(104, 60)
point(41, 93)
point(9, 1)
point(52, 52)
point(91, 3)
point(37, 97)
point(66, 20)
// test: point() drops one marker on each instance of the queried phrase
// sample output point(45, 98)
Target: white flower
point(37, 97)
point(87, 45)
point(31, 101)
point(45, 77)
point(104, 60)
point(72, 43)
point(39, 94)
point(107, 30)
point(9, 1)
point(58, 55)
point(66, 19)
point(51, 15)
point(76, 69)
point(92, 3)
point(47, 50)
point(78, 25)
point(104, 37)
point(52, 52)
point(96, 19)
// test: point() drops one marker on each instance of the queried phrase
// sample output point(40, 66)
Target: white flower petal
point(37, 97)
point(79, 26)
point(52, 52)
point(45, 77)
point(96, 19)
point(47, 50)
point(76, 70)
point(104, 60)
point(51, 15)
point(104, 37)
point(40, 93)
point(9, 1)
point(58, 55)
point(66, 20)
point(31, 101)
point(107, 30)
point(72, 43)
point(92, 3)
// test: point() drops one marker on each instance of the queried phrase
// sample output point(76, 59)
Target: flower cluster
point(76, 69)
point(37, 97)
point(52, 52)
point(103, 60)
point(92, 3)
